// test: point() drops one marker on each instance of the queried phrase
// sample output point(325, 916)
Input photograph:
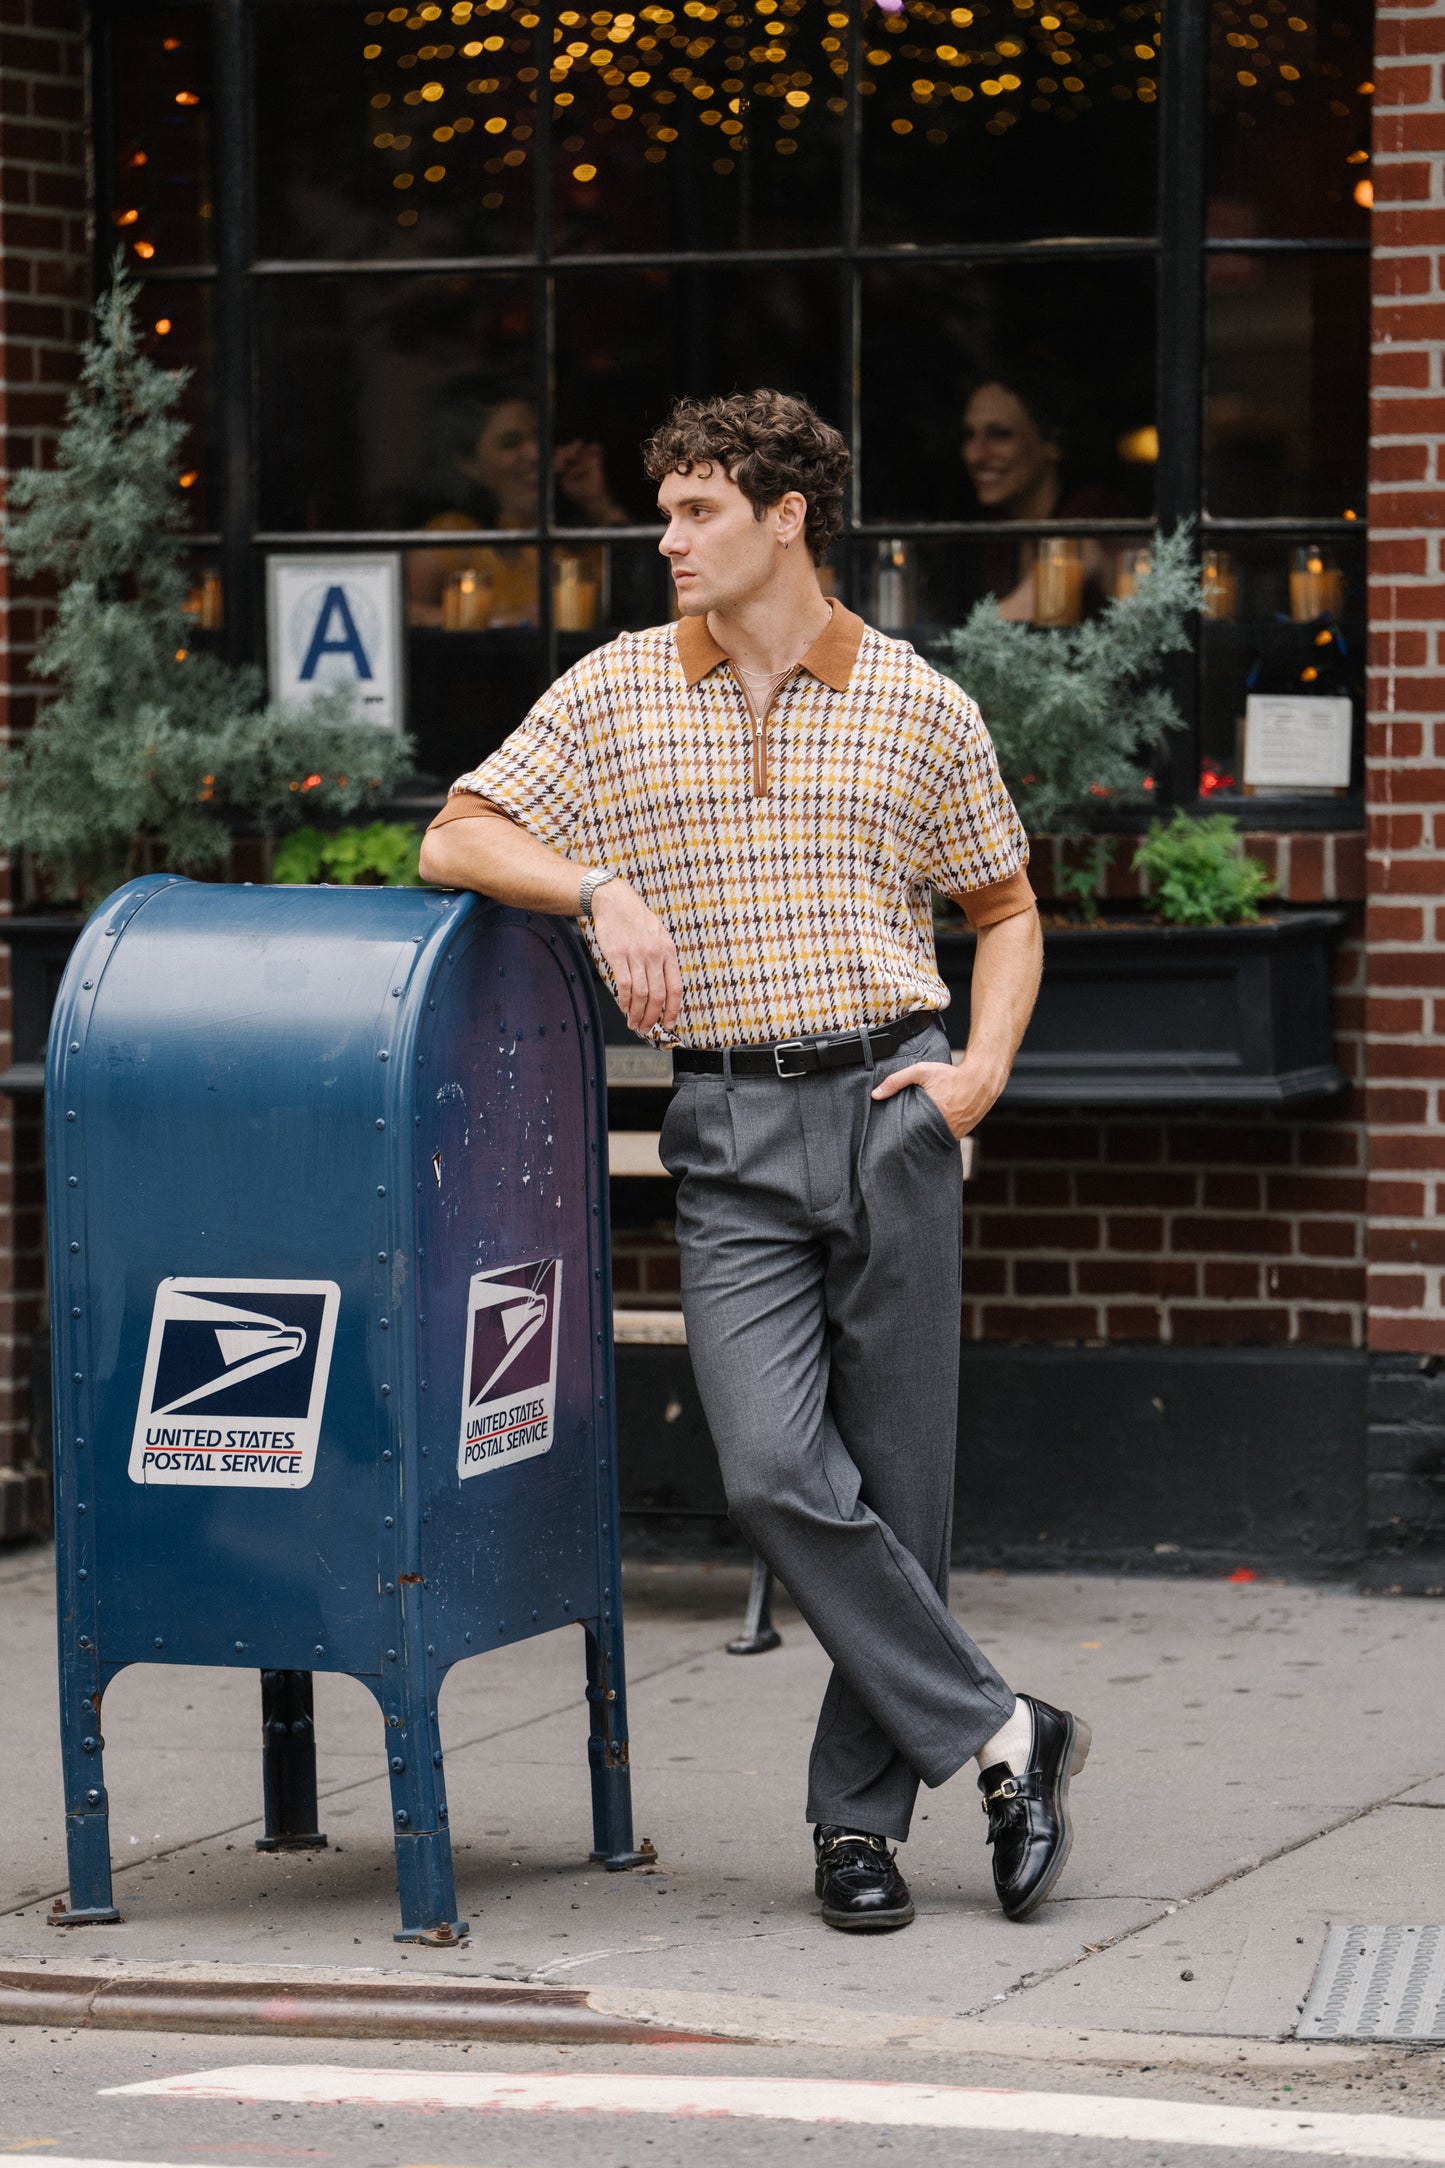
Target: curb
point(325, 2009)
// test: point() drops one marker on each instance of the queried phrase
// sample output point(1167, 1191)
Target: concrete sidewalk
point(1268, 1759)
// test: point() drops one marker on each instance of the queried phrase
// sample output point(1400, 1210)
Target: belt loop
point(727, 1054)
point(867, 1046)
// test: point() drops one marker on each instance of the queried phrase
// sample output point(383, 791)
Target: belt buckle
point(788, 1046)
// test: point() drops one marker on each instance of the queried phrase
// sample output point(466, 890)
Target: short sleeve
point(534, 777)
point(979, 849)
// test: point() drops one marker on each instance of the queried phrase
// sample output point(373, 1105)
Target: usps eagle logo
point(509, 1387)
point(235, 1383)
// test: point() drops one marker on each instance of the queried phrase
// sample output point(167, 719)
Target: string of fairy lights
point(757, 79)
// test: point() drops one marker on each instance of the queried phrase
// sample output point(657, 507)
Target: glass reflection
point(399, 402)
point(1287, 357)
point(178, 330)
point(162, 208)
point(388, 132)
point(1289, 119)
point(992, 123)
point(1277, 628)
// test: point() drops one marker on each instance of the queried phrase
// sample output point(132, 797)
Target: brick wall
point(1405, 924)
point(44, 289)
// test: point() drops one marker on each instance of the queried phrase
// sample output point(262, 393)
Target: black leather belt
point(804, 1057)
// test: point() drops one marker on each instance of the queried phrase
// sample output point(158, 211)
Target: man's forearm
point(1007, 967)
point(490, 853)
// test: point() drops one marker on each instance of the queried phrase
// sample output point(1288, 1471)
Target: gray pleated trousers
point(821, 1236)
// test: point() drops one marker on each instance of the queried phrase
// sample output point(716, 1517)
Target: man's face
point(719, 550)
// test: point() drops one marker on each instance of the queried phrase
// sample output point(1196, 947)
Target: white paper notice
point(1296, 741)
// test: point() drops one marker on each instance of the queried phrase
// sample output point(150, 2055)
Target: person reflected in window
point(489, 469)
point(1015, 443)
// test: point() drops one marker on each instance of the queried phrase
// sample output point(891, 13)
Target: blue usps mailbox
point(331, 1302)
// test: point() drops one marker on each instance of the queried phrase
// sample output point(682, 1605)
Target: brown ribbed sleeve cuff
point(1001, 899)
point(465, 806)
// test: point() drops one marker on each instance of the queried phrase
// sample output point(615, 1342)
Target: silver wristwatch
point(591, 882)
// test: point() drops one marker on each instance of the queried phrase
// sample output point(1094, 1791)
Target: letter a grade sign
point(337, 621)
point(235, 1383)
point(509, 1381)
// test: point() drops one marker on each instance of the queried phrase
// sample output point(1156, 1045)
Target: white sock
point(1014, 1744)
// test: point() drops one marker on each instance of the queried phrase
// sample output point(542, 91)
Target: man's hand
point(640, 950)
point(962, 1096)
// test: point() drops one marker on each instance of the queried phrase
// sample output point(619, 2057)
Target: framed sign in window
point(336, 621)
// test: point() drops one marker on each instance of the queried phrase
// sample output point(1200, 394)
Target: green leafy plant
point(149, 753)
point(1082, 884)
point(383, 855)
point(1074, 712)
point(1198, 873)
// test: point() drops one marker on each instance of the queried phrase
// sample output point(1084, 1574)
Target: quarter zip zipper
point(759, 726)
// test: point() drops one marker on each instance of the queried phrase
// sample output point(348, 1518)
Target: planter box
point(39, 951)
point(1190, 1016)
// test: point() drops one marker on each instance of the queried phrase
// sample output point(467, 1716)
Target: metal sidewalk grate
point(1378, 1983)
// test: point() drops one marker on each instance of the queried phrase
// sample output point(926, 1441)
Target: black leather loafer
point(1028, 1816)
point(859, 1882)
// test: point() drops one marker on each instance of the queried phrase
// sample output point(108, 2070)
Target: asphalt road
point(56, 2105)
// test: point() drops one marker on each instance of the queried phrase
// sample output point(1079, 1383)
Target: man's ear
point(792, 516)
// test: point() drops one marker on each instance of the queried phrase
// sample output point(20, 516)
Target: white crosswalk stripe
point(1104, 2116)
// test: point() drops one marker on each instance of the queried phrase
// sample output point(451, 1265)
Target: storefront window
point(485, 242)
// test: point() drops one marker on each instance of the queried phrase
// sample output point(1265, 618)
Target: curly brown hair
point(768, 442)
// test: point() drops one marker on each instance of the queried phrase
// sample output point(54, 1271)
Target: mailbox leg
point(424, 1878)
point(607, 1751)
point(288, 1764)
point(87, 1817)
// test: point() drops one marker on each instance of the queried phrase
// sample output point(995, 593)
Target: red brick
point(1397, 463)
point(1385, 1013)
point(1255, 1237)
point(1243, 1325)
point(1160, 1191)
point(1011, 1137)
point(1395, 922)
point(1327, 1328)
point(1041, 1276)
point(1059, 1321)
point(1391, 1058)
point(1231, 1192)
point(1409, 876)
point(1396, 1200)
point(1406, 1245)
point(1396, 32)
point(1405, 1154)
point(1328, 1238)
point(1402, 86)
point(984, 1276)
point(1134, 1232)
point(1401, 275)
point(1132, 1143)
point(1163, 1276)
point(1340, 1194)
point(1408, 967)
point(1403, 648)
point(1043, 1188)
point(1044, 1231)
point(1398, 132)
point(1397, 1109)
point(1132, 1322)
point(1252, 1143)
point(1404, 369)
point(1396, 1290)
point(1328, 1147)
point(1232, 1282)
point(1316, 1283)
point(1407, 1335)
point(1397, 831)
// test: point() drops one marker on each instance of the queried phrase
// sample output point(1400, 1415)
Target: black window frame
point(1179, 250)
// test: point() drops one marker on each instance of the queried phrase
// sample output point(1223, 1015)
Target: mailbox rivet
point(389, 1588)
point(403, 1819)
point(386, 1455)
point(83, 1574)
point(501, 1625)
point(387, 1523)
point(75, 1046)
point(79, 1444)
point(75, 1249)
point(240, 1648)
point(465, 1637)
point(74, 1182)
point(84, 1641)
point(534, 1614)
point(437, 1759)
point(431, 1648)
point(383, 1322)
point(384, 1054)
point(566, 1603)
point(75, 1312)
point(92, 1799)
point(381, 1191)
point(80, 1377)
point(318, 1650)
point(397, 1765)
point(70, 1114)
point(381, 1257)
point(442, 1812)
point(391, 1656)
point(87, 984)
point(386, 1392)
point(80, 1509)
point(158, 1643)
point(380, 1123)
point(396, 993)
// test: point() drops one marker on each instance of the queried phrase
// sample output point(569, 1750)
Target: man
point(749, 811)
